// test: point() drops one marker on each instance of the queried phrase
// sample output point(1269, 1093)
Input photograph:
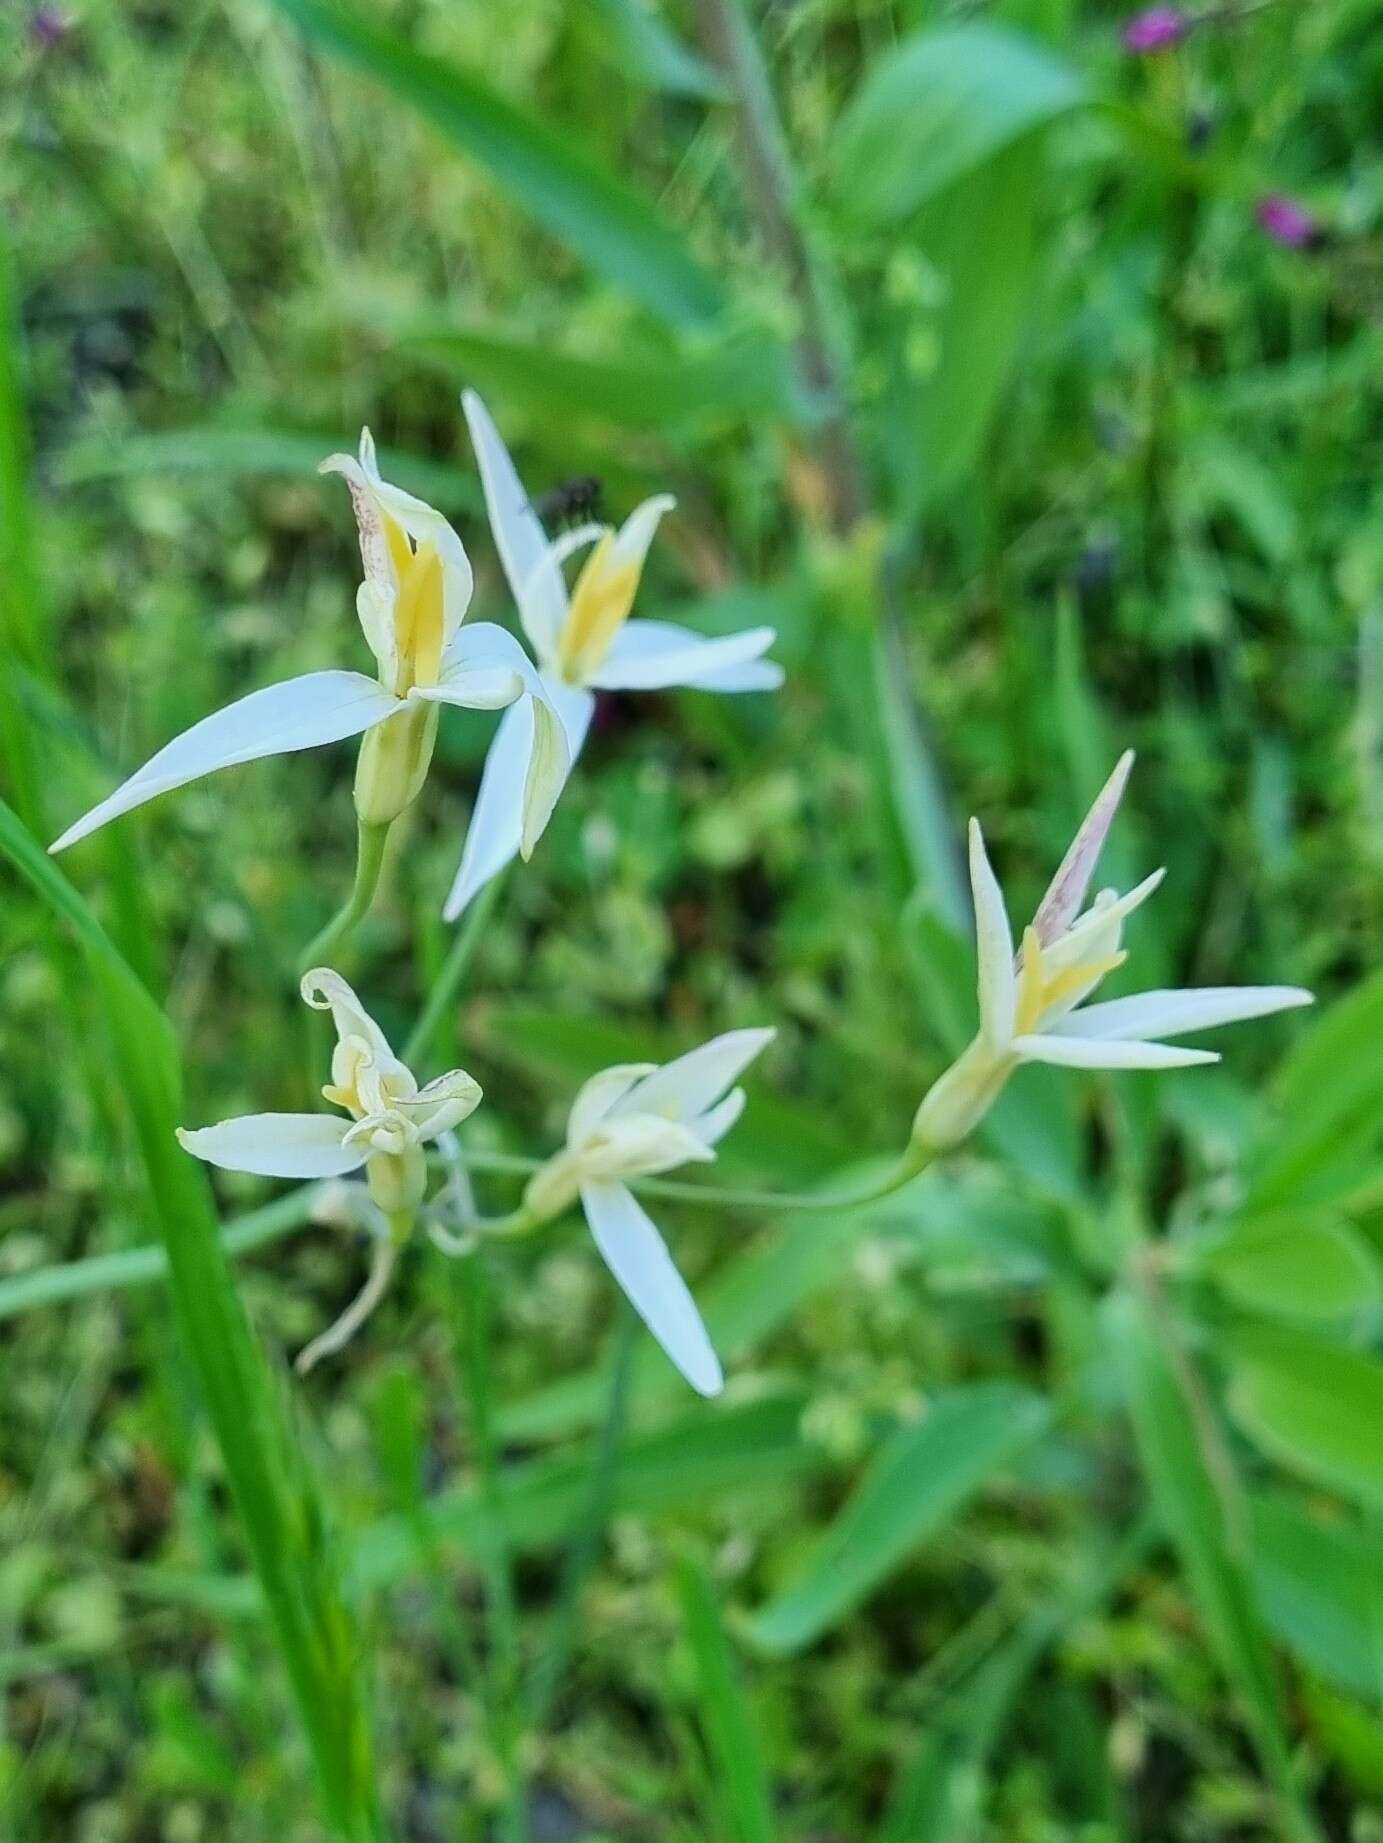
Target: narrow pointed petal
point(549, 764)
point(300, 713)
point(299, 1145)
point(716, 1122)
point(1066, 891)
point(637, 1256)
point(993, 945)
point(1100, 1053)
point(653, 655)
point(596, 1097)
point(1172, 1013)
point(690, 1085)
point(534, 578)
point(497, 823)
point(637, 532)
point(1098, 931)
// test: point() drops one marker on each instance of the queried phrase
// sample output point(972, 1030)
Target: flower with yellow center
point(412, 605)
point(1032, 1006)
point(584, 641)
point(391, 1117)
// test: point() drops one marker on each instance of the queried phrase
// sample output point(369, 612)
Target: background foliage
point(1044, 1501)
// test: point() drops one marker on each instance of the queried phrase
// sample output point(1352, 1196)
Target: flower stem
point(454, 969)
point(369, 860)
point(910, 1163)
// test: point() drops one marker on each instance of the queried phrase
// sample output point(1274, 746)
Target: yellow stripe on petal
point(600, 605)
point(418, 621)
point(1031, 986)
point(1076, 979)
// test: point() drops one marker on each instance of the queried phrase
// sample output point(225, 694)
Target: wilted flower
point(1286, 222)
point(1030, 1005)
point(391, 1117)
point(634, 1121)
point(584, 642)
point(1155, 29)
point(411, 605)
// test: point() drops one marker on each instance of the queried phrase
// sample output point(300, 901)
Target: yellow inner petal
point(600, 605)
point(418, 618)
point(1039, 991)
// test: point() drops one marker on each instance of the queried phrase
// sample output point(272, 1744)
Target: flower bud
point(397, 1180)
point(394, 760)
point(553, 1187)
point(959, 1099)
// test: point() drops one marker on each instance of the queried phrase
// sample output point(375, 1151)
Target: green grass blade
point(268, 1477)
point(727, 1716)
point(1205, 1518)
point(600, 219)
point(920, 1478)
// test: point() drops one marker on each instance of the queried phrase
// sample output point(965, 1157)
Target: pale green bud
point(394, 760)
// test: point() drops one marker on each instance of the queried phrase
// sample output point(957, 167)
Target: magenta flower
point(1286, 222)
point(1155, 29)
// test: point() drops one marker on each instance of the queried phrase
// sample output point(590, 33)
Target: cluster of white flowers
point(638, 1120)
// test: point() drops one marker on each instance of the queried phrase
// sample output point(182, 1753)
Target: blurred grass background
point(1110, 478)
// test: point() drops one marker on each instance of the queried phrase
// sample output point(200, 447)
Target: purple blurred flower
point(1155, 29)
point(48, 26)
point(1286, 222)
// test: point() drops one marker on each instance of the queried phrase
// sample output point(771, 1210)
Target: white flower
point(635, 1121)
point(583, 641)
point(1032, 1006)
point(391, 1117)
point(411, 605)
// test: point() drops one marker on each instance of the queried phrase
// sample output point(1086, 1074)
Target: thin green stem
point(138, 1266)
point(587, 1540)
point(369, 860)
point(454, 969)
point(909, 1165)
point(505, 1709)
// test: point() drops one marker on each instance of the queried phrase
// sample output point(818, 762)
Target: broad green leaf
point(1296, 1265)
point(937, 107)
point(271, 452)
point(980, 235)
point(1349, 1734)
point(700, 1457)
point(600, 218)
point(727, 1716)
point(658, 391)
point(921, 1477)
point(273, 1490)
point(1316, 1406)
point(1204, 1513)
point(1328, 1101)
point(1320, 1585)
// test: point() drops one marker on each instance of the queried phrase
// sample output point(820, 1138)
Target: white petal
point(549, 764)
point(1096, 1053)
point(325, 990)
point(497, 823)
point(425, 525)
point(485, 646)
point(637, 532)
point(690, 1085)
point(1098, 931)
point(639, 1145)
point(1066, 891)
point(298, 714)
point(534, 578)
point(651, 655)
point(597, 1096)
point(277, 1145)
point(441, 1104)
point(636, 1255)
point(993, 945)
point(1170, 1014)
point(714, 1124)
